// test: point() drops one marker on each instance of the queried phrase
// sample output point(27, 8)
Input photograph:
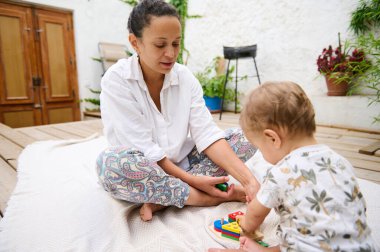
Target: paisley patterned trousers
point(128, 175)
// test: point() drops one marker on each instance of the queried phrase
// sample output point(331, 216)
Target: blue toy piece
point(218, 225)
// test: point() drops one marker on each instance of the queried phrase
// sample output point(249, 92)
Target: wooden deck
point(13, 141)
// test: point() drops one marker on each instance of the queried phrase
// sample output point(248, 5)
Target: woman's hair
point(142, 13)
point(281, 106)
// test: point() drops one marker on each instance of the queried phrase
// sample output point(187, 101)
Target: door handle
point(36, 81)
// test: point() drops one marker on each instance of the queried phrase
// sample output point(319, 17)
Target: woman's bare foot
point(238, 194)
point(147, 210)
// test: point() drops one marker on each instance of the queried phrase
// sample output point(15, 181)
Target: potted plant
point(212, 79)
point(341, 67)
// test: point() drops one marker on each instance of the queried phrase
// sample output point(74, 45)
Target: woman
point(165, 148)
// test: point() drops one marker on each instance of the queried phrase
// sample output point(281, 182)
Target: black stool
point(236, 53)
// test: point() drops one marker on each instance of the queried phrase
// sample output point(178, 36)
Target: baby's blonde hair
point(280, 106)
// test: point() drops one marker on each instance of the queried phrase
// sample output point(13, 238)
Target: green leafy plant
point(365, 17)
point(365, 23)
point(212, 81)
point(94, 101)
point(130, 2)
point(181, 6)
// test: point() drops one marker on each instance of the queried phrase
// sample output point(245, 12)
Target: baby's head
point(277, 118)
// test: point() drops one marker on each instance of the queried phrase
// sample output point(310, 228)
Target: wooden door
point(18, 66)
point(38, 80)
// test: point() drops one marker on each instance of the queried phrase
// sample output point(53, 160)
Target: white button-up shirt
point(131, 118)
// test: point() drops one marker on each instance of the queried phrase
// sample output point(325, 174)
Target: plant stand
point(236, 53)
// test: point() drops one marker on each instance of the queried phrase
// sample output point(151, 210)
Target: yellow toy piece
point(232, 227)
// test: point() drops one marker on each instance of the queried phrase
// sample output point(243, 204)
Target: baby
point(310, 186)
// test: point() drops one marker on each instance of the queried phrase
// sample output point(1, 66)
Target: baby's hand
point(240, 219)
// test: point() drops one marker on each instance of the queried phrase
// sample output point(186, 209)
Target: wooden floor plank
point(364, 164)
point(338, 146)
point(73, 130)
point(357, 155)
point(89, 128)
point(16, 137)
point(377, 153)
point(36, 133)
point(97, 125)
point(326, 135)
point(368, 175)
point(338, 141)
point(370, 149)
point(58, 133)
point(356, 140)
point(349, 132)
point(8, 149)
point(8, 179)
point(13, 163)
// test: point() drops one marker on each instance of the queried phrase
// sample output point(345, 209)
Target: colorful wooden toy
point(231, 230)
point(232, 216)
point(218, 224)
point(223, 186)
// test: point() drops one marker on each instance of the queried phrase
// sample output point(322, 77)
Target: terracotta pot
point(335, 88)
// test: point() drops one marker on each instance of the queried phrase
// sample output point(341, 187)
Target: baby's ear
point(273, 138)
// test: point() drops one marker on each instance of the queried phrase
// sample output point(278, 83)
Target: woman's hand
point(207, 185)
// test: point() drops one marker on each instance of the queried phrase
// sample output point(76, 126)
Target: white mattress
point(58, 205)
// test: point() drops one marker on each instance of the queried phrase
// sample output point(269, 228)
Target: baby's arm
point(254, 216)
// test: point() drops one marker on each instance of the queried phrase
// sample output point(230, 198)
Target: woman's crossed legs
point(129, 176)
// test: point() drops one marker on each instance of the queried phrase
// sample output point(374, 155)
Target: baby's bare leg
point(249, 245)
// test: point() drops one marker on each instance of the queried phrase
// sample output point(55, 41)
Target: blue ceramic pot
point(213, 104)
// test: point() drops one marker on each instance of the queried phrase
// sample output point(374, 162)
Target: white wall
point(289, 34)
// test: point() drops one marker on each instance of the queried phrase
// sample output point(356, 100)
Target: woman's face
point(159, 46)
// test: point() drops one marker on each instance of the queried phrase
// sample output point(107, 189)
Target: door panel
point(55, 56)
point(59, 84)
point(60, 115)
point(58, 67)
point(16, 40)
point(15, 119)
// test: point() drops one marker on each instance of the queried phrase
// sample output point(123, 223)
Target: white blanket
point(58, 205)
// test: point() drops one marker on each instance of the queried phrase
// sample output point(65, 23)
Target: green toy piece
point(263, 244)
point(223, 186)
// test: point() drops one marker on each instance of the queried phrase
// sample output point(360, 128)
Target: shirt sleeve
point(269, 192)
point(203, 129)
point(123, 118)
